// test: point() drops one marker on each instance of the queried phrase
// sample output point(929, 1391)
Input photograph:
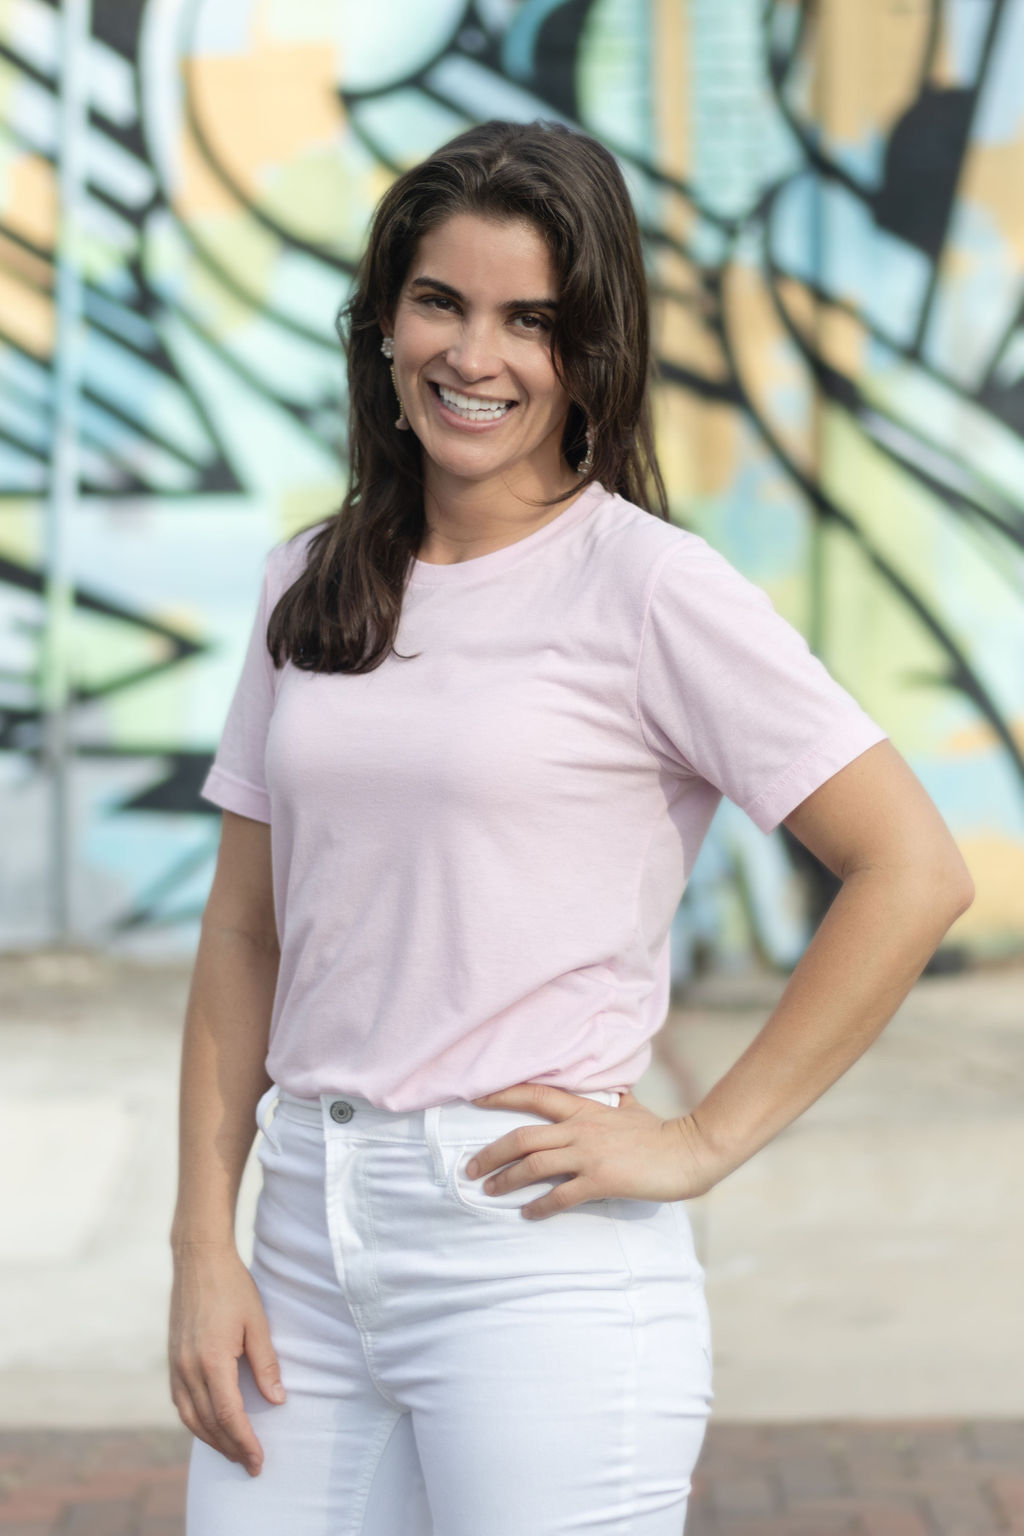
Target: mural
point(828, 197)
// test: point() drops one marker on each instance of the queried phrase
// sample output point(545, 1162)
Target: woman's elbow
point(947, 882)
point(963, 886)
point(939, 880)
point(951, 875)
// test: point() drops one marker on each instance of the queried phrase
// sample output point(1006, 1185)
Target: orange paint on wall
point(766, 361)
point(698, 443)
point(835, 335)
point(21, 263)
point(980, 737)
point(671, 48)
point(866, 60)
point(997, 868)
point(30, 208)
point(992, 177)
point(26, 315)
point(683, 336)
point(258, 111)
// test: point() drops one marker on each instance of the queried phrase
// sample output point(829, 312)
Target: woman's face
point(473, 365)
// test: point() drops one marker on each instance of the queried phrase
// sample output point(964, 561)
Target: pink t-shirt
point(478, 853)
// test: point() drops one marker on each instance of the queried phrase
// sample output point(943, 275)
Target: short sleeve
point(729, 691)
point(236, 779)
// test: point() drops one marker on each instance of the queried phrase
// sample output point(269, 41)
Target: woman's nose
point(473, 353)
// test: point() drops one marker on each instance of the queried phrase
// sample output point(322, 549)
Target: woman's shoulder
point(661, 568)
point(636, 541)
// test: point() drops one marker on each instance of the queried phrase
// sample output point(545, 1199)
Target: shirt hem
point(810, 771)
point(233, 794)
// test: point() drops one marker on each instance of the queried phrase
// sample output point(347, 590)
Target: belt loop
point(432, 1131)
point(268, 1099)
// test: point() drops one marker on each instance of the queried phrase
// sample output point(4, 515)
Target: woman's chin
point(470, 462)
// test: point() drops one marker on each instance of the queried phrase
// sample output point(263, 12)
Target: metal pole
point(68, 347)
point(816, 636)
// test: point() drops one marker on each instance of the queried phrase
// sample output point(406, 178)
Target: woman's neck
point(464, 519)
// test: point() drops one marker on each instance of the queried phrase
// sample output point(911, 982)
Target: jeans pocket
point(267, 1103)
point(508, 1204)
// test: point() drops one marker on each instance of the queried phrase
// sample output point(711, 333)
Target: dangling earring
point(587, 462)
point(387, 346)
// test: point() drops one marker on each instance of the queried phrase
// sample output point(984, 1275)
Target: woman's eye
point(527, 321)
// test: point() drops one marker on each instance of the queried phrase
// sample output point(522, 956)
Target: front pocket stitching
point(489, 1213)
point(502, 1212)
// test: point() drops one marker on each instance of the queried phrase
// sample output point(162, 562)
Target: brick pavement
point(932, 1478)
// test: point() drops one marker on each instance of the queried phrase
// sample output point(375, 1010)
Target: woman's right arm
point(216, 1312)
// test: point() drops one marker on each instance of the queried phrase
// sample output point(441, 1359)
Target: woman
point(485, 718)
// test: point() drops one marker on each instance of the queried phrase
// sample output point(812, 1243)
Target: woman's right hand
point(216, 1317)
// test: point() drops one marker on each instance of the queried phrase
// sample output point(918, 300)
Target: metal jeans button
point(341, 1111)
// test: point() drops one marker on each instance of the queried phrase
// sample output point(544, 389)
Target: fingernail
point(253, 1467)
point(471, 1167)
point(277, 1392)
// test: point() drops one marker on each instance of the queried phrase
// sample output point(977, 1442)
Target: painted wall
point(830, 198)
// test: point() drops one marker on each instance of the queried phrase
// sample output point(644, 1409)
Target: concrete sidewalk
point(865, 1266)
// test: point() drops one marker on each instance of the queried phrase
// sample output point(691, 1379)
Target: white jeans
point(453, 1369)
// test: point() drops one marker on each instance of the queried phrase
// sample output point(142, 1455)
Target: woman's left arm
point(904, 883)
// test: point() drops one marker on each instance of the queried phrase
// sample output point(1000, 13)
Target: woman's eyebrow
point(453, 293)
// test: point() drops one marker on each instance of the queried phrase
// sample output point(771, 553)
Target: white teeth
point(474, 409)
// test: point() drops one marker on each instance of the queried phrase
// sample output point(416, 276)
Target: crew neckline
point(427, 573)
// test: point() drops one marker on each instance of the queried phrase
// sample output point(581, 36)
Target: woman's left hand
point(613, 1150)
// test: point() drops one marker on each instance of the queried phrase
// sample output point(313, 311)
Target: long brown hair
point(342, 613)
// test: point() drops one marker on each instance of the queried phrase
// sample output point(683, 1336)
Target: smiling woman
point(438, 934)
point(476, 376)
point(503, 278)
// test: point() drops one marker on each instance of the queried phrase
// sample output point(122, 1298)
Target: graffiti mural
point(828, 199)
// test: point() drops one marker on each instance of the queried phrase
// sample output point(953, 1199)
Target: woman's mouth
point(472, 408)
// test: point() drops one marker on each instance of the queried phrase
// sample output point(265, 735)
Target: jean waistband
point(457, 1120)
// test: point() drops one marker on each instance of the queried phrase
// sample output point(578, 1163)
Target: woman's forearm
point(227, 1022)
point(869, 949)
